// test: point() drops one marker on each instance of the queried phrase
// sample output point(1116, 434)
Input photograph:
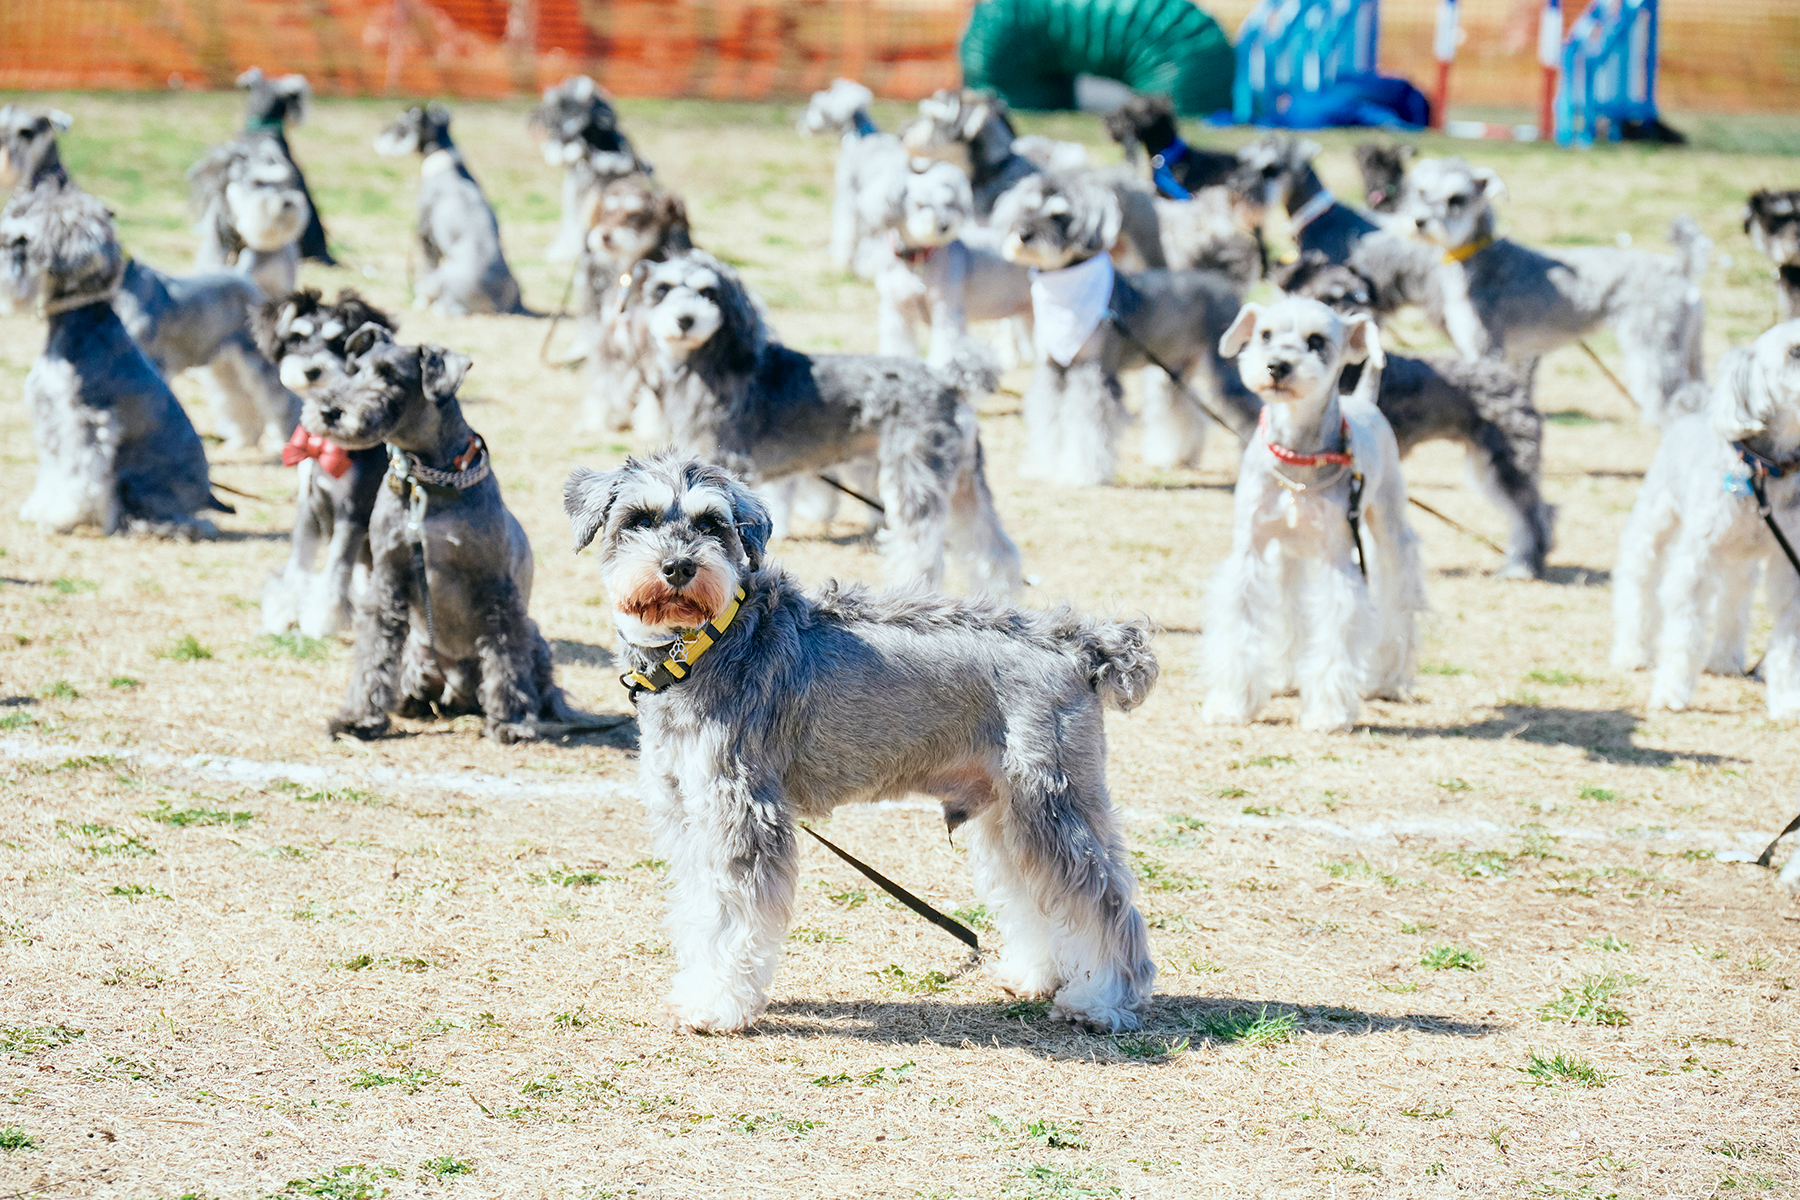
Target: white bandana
point(1066, 305)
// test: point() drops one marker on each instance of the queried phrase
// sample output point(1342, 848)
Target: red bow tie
point(334, 460)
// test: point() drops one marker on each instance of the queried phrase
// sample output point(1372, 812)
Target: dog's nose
point(1421, 222)
point(684, 323)
point(329, 416)
point(677, 571)
point(1279, 369)
point(313, 373)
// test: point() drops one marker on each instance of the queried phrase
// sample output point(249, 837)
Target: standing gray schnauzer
point(459, 236)
point(441, 623)
point(759, 705)
point(114, 448)
point(253, 209)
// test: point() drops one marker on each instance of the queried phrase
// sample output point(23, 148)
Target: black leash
point(1355, 515)
point(1768, 855)
point(1118, 323)
point(1760, 470)
point(416, 484)
point(852, 493)
point(949, 925)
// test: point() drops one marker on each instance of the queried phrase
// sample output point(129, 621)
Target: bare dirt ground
point(1489, 944)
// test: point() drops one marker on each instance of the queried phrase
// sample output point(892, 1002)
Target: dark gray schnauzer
point(759, 705)
point(1772, 219)
point(306, 338)
point(270, 106)
point(459, 236)
point(114, 448)
point(253, 209)
point(580, 134)
point(1383, 166)
point(734, 395)
point(1485, 405)
point(442, 624)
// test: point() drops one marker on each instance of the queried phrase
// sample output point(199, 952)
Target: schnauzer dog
point(1383, 167)
point(1093, 322)
point(867, 158)
point(1772, 219)
point(441, 624)
point(114, 447)
point(1178, 169)
point(736, 396)
point(944, 272)
point(1322, 588)
point(579, 132)
point(28, 153)
point(759, 705)
point(271, 104)
point(1485, 405)
point(459, 236)
point(253, 210)
point(1504, 300)
point(337, 488)
point(1697, 538)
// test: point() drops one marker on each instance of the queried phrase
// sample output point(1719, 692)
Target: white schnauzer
point(1501, 299)
point(1772, 219)
point(866, 158)
point(1322, 588)
point(579, 132)
point(759, 705)
point(268, 109)
point(736, 396)
point(1699, 534)
point(253, 209)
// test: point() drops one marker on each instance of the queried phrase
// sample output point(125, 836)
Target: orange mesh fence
point(1718, 55)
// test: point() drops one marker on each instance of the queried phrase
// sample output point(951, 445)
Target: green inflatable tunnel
point(1029, 51)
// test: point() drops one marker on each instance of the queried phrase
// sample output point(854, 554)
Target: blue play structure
point(1608, 71)
point(1290, 51)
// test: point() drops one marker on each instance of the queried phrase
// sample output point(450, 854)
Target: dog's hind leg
point(1494, 465)
point(1643, 549)
point(1042, 411)
point(234, 409)
point(1731, 616)
point(729, 843)
point(1174, 429)
point(989, 559)
point(1340, 625)
point(382, 625)
point(1397, 587)
point(507, 653)
point(1026, 966)
point(917, 477)
point(1781, 668)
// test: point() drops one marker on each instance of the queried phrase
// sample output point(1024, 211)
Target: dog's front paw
point(1098, 1019)
point(1328, 720)
point(1514, 570)
point(508, 732)
point(718, 1017)
point(1222, 712)
point(363, 729)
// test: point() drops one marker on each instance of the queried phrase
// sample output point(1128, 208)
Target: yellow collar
point(1468, 250)
point(688, 649)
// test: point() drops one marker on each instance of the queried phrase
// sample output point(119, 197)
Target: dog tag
point(1736, 485)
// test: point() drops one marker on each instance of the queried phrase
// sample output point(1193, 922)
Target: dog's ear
point(1303, 151)
point(250, 78)
point(588, 497)
point(441, 372)
point(365, 339)
point(59, 120)
point(1362, 341)
point(754, 526)
point(671, 210)
point(1487, 182)
point(1740, 402)
point(1240, 331)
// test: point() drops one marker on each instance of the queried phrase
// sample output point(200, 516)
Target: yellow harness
point(688, 649)
point(1468, 250)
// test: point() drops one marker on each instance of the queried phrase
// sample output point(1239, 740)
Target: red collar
point(1341, 458)
point(334, 460)
point(910, 255)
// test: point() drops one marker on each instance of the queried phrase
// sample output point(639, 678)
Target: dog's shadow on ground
point(1562, 576)
point(579, 654)
point(1173, 1025)
point(1604, 734)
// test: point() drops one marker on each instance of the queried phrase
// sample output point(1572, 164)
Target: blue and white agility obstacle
point(1608, 71)
point(1297, 48)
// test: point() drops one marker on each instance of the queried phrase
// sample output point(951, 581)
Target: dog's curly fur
point(807, 702)
point(253, 209)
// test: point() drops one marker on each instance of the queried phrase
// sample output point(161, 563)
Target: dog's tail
point(973, 372)
point(1113, 656)
point(1693, 249)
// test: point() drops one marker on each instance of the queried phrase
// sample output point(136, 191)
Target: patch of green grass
point(1026, 1010)
point(846, 898)
point(1590, 1002)
point(410, 1079)
point(59, 689)
point(1454, 784)
point(1403, 987)
point(807, 933)
point(124, 681)
point(1446, 957)
point(182, 818)
point(975, 916)
point(1259, 1028)
point(138, 891)
point(308, 795)
point(1159, 876)
point(444, 1165)
point(1520, 700)
point(757, 1123)
point(889, 1077)
point(1183, 831)
point(577, 1019)
point(1416, 927)
point(1557, 678)
point(1475, 864)
point(353, 1181)
point(1231, 793)
point(69, 585)
point(1351, 1164)
point(1041, 1181)
point(290, 645)
point(1561, 1068)
point(1442, 669)
point(104, 839)
point(28, 1039)
point(1263, 760)
point(1139, 1045)
point(1572, 418)
point(567, 878)
point(14, 1138)
point(186, 648)
point(1356, 868)
point(1589, 792)
point(1422, 1113)
point(17, 720)
point(928, 983)
point(1609, 942)
point(1261, 810)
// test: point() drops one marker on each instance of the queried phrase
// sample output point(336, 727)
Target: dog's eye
point(1265, 334)
point(711, 295)
point(708, 524)
point(659, 293)
point(641, 518)
point(1271, 171)
point(1455, 202)
point(1316, 343)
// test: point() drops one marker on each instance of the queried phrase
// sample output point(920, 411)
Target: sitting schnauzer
point(253, 210)
point(114, 448)
point(1484, 405)
point(1178, 169)
point(866, 159)
point(1772, 219)
point(580, 134)
point(971, 129)
point(1698, 535)
point(337, 487)
point(1322, 589)
point(441, 624)
point(1501, 299)
point(271, 104)
point(760, 705)
point(1383, 167)
point(1093, 322)
point(28, 154)
point(734, 395)
point(459, 237)
point(944, 272)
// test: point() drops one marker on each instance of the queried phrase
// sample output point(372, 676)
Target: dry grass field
point(1497, 942)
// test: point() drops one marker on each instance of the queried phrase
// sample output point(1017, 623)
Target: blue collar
point(1762, 464)
point(863, 125)
point(1166, 183)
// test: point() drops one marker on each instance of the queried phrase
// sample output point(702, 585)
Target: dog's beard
point(267, 222)
point(648, 611)
point(923, 227)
